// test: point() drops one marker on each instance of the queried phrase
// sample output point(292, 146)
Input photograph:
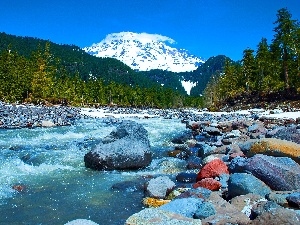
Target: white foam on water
point(56, 136)
point(14, 171)
point(6, 191)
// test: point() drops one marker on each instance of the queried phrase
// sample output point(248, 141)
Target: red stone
point(213, 169)
point(18, 187)
point(208, 183)
point(195, 126)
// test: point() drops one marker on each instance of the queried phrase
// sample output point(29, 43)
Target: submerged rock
point(127, 147)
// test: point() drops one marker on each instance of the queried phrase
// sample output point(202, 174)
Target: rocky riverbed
point(239, 168)
point(13, 116)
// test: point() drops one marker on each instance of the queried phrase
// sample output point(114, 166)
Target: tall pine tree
point(284, 39)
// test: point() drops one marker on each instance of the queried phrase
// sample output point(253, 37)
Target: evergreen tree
point(263, 64)
point(285, 39)
point(42, 81)
point(249, 70)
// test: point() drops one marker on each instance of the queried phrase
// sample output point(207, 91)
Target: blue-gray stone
point(253, 127)
point(246, 145)
point(205, 210)
point(278, 197)
point(194, 162)
point(206, 150)
point(212, 131)
point(193, 151)
point(237, 165)
point(243, 183)
point(289, 134)
point(262, 207)
point(185, 206)
point(224, 180)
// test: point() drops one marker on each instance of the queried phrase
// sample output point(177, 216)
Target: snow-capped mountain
point(143, 52)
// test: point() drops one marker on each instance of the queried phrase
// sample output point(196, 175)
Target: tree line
point(45, 78)
point(271, 68)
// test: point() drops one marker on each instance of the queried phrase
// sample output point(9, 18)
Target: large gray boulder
point(279, 173)
point(127, 147)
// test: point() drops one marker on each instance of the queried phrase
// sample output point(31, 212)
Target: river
point(48, 164)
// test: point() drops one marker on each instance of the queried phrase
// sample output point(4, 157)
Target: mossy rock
point(276, 147)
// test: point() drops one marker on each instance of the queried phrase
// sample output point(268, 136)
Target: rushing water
point(48, 162)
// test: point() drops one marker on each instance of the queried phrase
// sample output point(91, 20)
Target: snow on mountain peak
point(142, 37)
point(143, 51)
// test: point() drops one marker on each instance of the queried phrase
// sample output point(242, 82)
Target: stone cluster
point(240, 169)
point(14, 116)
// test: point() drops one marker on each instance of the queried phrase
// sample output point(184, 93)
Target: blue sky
point(204, 27)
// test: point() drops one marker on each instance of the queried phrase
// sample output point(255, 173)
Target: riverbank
point(239, 140)
point(14, 116)
point(250, 159)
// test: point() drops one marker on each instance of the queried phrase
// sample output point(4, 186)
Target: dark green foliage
point(74, 60)
point(212, 67)
point(272, 68)
point(166, 79)
point(36, 71)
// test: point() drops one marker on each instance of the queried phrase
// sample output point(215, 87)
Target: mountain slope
point(213, 66)
point(143, 52)
point(76, 61)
